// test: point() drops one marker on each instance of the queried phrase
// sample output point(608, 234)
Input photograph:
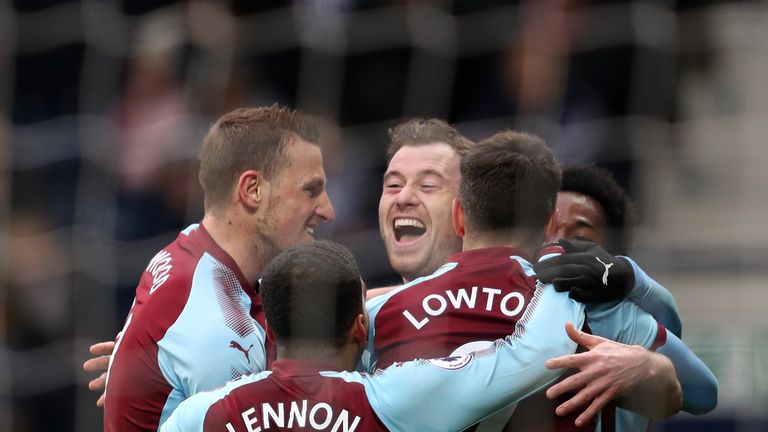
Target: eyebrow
point(314, 183)
point(584, 222)
point(422, 173)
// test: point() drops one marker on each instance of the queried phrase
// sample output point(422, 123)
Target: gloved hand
point(587, 272)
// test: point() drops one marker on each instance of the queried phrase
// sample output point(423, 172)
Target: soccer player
point(592, 206)
point(313, 300)
point(438, 314)
point(421, 182)
point(197, 319)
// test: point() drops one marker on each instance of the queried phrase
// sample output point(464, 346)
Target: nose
point(406, 197)
point(325, 209)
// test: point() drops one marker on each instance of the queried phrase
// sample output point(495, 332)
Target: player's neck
point(342, 359)
point(496, 239)
point(227, 233)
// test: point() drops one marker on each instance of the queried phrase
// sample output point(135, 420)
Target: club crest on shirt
point(451, 363)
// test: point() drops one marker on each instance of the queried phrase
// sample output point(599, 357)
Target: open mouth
point(408, 230)
point(311, 231)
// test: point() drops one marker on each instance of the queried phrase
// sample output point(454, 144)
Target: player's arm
point(700, 387)
point(653, 298)
point(610, 370)
point(102, 352)
point(592, 275)
point(626, 375)
point(190, 415)
point(376, 292)
point(629, 324)
point(456, 392)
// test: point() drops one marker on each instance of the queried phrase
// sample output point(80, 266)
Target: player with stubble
point(420, 182)
point(197, 319)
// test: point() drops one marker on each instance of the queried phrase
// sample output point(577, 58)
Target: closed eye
point(579, 237)
point(315, 188)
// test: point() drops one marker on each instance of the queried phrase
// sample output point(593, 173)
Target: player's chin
point(405, 258)
point(305, 237)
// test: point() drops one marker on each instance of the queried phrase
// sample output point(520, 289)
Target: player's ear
point(251, 188)
point(270, 334)
point(359, 330)
point(550, 231)
point(458, 217)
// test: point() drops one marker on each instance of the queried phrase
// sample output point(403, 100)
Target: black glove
point(587, 272)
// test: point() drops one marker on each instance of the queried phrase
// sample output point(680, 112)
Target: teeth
point(408, 222)
point(311, 230)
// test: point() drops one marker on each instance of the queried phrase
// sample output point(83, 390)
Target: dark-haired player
point(508, 190)
point(314, 305)
point(592, 206)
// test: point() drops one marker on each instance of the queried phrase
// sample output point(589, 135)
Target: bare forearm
point(659, 395)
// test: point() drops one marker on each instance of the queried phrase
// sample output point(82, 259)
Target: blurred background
point(103, 105)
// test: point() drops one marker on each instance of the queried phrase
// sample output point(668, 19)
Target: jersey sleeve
point(653, 298)
point(190, 414)
point(624, 322)
point(627, 323)
point(699, 384)
point(456, 392)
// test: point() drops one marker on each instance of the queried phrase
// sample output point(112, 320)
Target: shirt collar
point(484, 255)
point(301, 367)
point(211, 247)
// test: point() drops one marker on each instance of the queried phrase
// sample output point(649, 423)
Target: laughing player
point(507, 200)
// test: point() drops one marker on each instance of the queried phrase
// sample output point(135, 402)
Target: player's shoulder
point(166, 281)
point(622, 321)
point(412, 287)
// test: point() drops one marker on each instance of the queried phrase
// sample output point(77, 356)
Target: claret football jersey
point(478, 296)
point(195, 324)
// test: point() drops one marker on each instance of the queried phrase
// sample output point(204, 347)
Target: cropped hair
point(312, 293)
point(245, 139)
point(509, 181)
point(417, 131)
point(600, 185)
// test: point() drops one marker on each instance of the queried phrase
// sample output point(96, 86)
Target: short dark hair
point(312, 293)
point(600, 185)
point(248, 138)
point(418, 131)
point(509, 181)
